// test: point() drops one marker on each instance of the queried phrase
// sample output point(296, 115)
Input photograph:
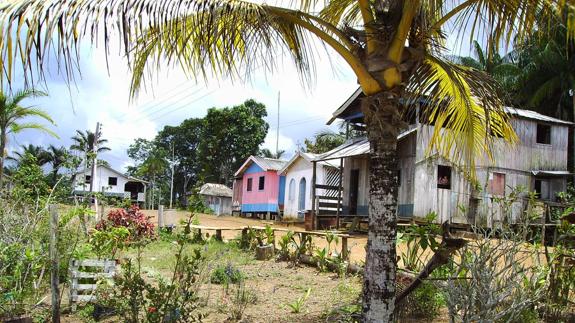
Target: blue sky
point(103, 95)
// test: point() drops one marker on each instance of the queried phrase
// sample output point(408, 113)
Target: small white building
point(218, 198)
point(298, 183)
point(110, 182)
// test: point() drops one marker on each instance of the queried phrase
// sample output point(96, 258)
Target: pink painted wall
point(268, 195)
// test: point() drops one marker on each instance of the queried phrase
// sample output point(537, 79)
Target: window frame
point(116, 181)
point(87, 179)
point(547, 138)
point(261, 183)
point(442, 172)
point(249, 184)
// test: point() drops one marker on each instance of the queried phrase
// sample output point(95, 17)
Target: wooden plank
point(323, 212)
point(54, 261)
point(86, 286)
point(81, 274)
point(328, 205)
point(327, 187)
point(325, 197)
point(94, 263)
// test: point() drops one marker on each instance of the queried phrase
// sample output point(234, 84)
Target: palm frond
point(465, 108)
point(21, 112)
point(17, 127)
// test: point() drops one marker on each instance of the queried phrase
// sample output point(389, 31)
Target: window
point(543, 134)
point(496, 184)
point(444, 177)
point(250, 180)
point(261, 183)
point(112, 181)
point(88, 179)
point(542, 189)
point(291, 191)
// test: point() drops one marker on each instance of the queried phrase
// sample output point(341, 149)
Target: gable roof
point(350, 109)
point(216, 190)
point(130, 178)
point(264, 163)
point(310, 157)
point(355, 147)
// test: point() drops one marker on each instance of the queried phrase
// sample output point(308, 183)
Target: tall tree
point(393, 47)
point(503, 69)
point(268, 153)
point(184, 141)
point(229, 137)
point(57, 157)
point(83, 141)
point(12, 116)
point(324, 141)
point(41, 155)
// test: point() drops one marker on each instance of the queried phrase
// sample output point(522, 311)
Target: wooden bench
point(217, 229)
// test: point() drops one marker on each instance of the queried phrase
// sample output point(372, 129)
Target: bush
point(425, 301)
point(226, 275)
point(139, 225)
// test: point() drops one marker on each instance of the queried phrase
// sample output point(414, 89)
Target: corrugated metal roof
point(264, 163)
point(550, 173)
point(216, 190)
point(269, 163)
point(355, 147)
point(309, 157)
point(528, 114)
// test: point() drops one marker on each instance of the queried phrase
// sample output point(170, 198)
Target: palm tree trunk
point(383, 122)
point(2, 147)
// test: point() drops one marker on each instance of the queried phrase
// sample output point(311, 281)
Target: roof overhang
point(551, 173)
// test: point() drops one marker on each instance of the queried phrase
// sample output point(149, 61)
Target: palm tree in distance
point(12, 119)
point(38, 152)
point(394, 48)
point(268, 153)
point(57, 157)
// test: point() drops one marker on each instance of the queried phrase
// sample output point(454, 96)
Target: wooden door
point(353, 191)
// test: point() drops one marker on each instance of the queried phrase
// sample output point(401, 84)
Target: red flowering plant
point(122, 228)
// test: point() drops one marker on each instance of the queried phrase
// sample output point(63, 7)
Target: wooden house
point(259, 187)
point(217, 197)
point(298, 174)
point(428, 183)
point(110, 182)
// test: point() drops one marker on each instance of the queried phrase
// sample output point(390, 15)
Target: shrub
point(424, 302)
point(226, 275)
point(139, 225)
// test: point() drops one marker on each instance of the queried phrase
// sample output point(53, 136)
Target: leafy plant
point(418, 238)
point(424, 302)
point(172, 300)
point(285, 243)
point(106, 243)
point(297, 305)
point(140, 227)
point(321, 257)
point(226, 274)
point(241, 298)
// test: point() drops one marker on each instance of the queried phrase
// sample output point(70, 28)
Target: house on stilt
point(429, 183)
point(299, 172)
point(258, 188)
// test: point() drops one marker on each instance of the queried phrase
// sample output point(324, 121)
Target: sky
point(102, 95)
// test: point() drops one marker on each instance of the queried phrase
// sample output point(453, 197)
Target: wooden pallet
point(84, 276)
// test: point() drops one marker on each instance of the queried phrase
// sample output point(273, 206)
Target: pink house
point(261, 189)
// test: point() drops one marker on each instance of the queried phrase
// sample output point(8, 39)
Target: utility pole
point(93, 187)
point(278, 128)
point(172, 180)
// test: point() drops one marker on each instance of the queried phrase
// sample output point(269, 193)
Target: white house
point(112, 183)
point(298, 184)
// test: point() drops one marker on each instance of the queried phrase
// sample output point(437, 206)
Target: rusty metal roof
point(528, 114)
point(216, 190)
point(355, 147)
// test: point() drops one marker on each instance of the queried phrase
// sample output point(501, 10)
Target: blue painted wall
point(259, 207)
point(282, 190)
point(254, 168)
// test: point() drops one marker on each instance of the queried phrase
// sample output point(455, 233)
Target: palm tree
point(268, 153)
point(324, 141)
point(393, 47)
point(503, 69)
point(12, 114)
point(38, 152)
point(57, 157)
point(83, 141)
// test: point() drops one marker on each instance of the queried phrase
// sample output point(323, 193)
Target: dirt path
point(356, 243)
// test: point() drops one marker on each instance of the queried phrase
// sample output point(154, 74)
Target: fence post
point(54, 274)
point(160, 216)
